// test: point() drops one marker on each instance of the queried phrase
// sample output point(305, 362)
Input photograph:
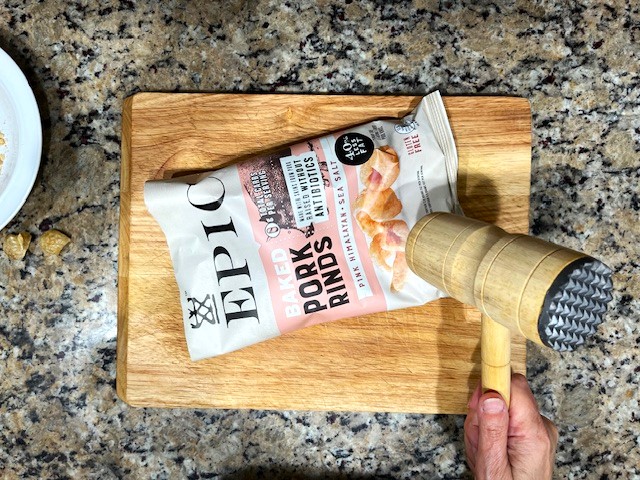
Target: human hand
point(513, 444)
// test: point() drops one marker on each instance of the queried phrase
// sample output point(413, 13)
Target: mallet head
point(552, 295)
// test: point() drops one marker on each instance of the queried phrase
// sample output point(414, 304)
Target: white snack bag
point(313, 233)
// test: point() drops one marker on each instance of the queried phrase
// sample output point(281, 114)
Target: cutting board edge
point(342, 407)
point(456, 407)
point(122, 340)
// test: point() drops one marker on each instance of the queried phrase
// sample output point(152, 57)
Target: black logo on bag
point(228, 256)
point(203, 311)
point(354, 148)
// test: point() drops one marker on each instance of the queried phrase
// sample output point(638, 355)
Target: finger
point(493, 423)
point(524, 415)
point(552, 432)
point(471, 428)
point(471, 422)
point(471, 450)
point(531, 436)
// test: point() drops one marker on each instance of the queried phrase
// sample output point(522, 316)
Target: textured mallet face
point(575, 304)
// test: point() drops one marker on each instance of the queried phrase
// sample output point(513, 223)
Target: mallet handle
point(495, 350)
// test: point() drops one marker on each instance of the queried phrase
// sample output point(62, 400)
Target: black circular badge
point(354, 148)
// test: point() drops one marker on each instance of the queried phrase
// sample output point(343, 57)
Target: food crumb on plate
point(2, 142)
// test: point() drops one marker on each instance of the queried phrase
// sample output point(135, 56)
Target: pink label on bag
point(299, 204)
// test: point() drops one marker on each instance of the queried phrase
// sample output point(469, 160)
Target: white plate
point(22, 130)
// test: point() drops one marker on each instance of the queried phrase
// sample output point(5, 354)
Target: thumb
point(492, 461)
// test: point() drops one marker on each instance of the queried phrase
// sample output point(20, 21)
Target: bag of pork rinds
point(310, 234)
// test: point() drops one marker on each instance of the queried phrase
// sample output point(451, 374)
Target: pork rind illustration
point(16, 246)
point(380, 205)
point(374, 209)
point(53, 241)
point(312, 233)
point(381, 170)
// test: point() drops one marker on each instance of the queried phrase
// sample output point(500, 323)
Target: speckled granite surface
point(579, 66)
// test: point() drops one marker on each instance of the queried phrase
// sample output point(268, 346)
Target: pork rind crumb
point(2, 143)
point(16, 246)
point(53, 241)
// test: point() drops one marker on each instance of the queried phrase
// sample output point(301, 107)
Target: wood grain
point(423, 360)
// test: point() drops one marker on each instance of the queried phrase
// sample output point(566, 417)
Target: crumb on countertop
point(16, 246)
point(53, 241)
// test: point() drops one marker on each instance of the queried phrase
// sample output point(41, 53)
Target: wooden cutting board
point(422, 360)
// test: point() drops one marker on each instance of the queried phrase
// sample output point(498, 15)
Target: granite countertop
point(579, 67)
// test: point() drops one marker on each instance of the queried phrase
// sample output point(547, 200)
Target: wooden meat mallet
point(552, 295)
